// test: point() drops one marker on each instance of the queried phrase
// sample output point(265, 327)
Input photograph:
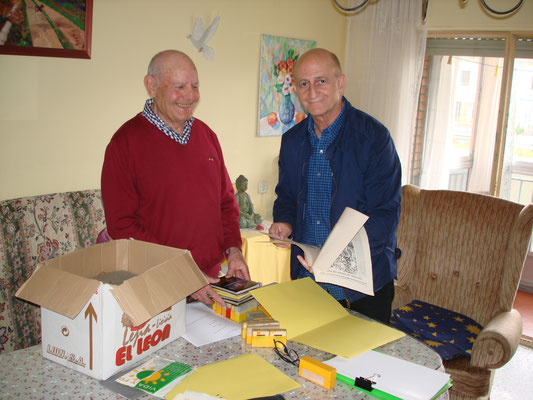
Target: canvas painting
point(51, 28)
point(279, 108)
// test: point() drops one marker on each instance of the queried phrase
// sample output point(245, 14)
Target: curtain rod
point(425, 5)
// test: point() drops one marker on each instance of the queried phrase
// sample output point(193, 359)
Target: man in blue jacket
point(338, 157)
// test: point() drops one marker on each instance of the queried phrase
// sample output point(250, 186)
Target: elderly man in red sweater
point(164, 179)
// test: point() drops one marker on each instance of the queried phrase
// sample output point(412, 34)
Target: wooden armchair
point(465, 252)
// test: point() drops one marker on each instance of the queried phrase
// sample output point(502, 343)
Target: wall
point(57, 115)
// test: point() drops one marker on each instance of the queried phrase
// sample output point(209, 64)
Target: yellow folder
point(312, 317)
point(242, 377)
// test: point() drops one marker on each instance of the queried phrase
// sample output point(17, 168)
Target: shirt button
point(321, 151)
point(318, 174)
point(318, 222)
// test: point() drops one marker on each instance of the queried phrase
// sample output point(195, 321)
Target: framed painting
point(279, 108)
point(48, 28)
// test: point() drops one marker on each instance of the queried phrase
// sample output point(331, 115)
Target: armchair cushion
point(449, 333)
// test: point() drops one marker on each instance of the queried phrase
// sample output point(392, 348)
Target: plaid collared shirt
point(151, 116)
point(319, 191)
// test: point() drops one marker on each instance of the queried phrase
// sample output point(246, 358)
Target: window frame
point(510, 37)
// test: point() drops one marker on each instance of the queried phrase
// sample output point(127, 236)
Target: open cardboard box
point(98, 328)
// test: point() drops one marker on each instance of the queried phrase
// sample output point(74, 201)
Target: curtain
point(437, 141)
point(384, 58)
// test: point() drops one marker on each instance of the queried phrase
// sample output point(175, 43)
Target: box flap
point(162, 286)
point(59, 291)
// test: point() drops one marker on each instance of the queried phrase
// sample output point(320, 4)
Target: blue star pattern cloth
point(316, 227)
point(449, 333)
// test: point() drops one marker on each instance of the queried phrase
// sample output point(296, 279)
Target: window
point(475, 116)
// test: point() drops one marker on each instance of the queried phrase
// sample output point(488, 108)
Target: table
point(26, 375)
point(267, 263)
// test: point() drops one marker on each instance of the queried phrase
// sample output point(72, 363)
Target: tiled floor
point(524, 304)
point(513, 380)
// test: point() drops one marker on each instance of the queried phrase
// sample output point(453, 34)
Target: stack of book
point(236, 294)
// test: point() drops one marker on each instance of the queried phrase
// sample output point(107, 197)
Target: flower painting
point(279, 108)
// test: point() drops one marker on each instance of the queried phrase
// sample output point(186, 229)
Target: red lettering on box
point(156, 337)
point(119, 356)
point(166, 332)
point(146, 343)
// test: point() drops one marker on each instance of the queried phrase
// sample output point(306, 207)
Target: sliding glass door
point(475, 115)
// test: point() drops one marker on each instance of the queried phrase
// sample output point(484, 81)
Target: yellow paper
point(241, 377)
point(314, 318)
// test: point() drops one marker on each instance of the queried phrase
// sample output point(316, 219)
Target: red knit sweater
point(157, 190)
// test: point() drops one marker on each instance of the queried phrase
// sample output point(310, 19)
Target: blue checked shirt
point(319, 191)
point(153, 118)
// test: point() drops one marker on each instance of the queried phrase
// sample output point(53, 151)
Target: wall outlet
point(263, 187)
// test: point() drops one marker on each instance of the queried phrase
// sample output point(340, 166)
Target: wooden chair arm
point(498, 341)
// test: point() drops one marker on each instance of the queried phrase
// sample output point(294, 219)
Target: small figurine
point(247, 218)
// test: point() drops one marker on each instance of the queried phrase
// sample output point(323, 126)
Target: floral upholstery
point(32, 230)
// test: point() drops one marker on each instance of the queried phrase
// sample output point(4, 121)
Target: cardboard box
point(84, 320)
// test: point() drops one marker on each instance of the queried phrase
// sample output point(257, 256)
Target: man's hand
point(282, 230)
point(304, 263)
point(237, 265)
point(207, 294)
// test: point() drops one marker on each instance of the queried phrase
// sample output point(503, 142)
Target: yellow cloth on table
point(267, 263)
point(241, 377)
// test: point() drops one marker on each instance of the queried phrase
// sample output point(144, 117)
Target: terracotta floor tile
point(524, 304)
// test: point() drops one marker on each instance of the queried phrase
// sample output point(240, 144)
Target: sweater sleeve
point(120, 196)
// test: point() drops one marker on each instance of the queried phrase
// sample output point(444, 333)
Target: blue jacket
point(366, 177)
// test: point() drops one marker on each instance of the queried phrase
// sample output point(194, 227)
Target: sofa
point(32, 230)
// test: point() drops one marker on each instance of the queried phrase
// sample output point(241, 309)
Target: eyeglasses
point(286, 354)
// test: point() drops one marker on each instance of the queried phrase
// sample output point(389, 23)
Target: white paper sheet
point(204, 326)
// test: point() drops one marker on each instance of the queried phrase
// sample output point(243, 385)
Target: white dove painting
point(200, 36)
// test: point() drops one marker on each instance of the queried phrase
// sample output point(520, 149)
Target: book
point(234, 286)
point(344, 260)
point(156, 376)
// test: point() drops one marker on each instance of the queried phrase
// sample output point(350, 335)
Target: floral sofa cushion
point(32, 230)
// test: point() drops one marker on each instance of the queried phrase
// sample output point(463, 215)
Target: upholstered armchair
point(32, 230)
point(465, 252)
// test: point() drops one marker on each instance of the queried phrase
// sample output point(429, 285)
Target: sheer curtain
point(385, 47)
point(437, 141)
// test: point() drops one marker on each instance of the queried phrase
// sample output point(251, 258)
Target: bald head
point(166, 60)
point(321, 56)
point(320, 86)
point(172, 83)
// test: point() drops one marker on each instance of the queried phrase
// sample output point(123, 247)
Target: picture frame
point(46, 28)
point(279, 108)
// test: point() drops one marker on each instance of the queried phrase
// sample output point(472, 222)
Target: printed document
point(344, 260)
